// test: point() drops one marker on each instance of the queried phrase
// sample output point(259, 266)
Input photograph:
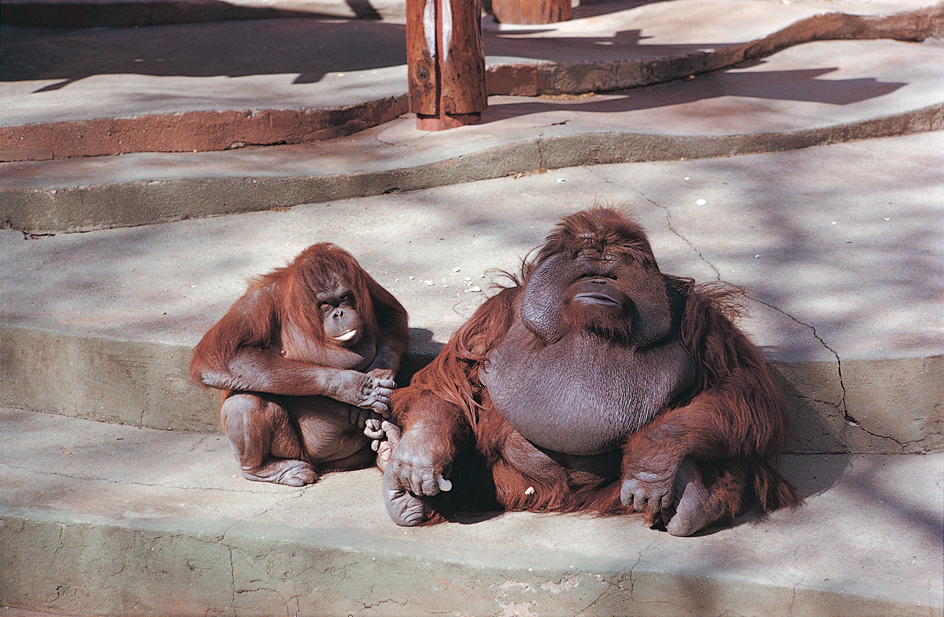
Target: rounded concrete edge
point(111, 204)
point(212, 566)
point(890, 406)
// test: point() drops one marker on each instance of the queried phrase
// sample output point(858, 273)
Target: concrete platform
point(126, 519)
point(228, 84)
point(71, 96)
point(813, 176)
point(838, 246)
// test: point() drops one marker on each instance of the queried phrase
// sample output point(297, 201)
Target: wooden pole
point(446, 63)
point(531, 11)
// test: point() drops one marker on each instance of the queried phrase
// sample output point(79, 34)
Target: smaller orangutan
point(306, 361)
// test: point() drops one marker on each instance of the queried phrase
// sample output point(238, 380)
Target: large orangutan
point(306, 360)
point(595, 383)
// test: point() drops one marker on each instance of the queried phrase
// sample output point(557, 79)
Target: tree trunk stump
point(446, 63)
point(531, 11)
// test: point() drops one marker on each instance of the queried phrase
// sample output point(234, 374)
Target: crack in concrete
point(295, 597)
point(617, 585)
point(232, 566)
point(632, 573)
point(62, 527)
point(814, 400)
point(842, 402)
point(841, 406)
point(383, 602)
point(902, 444)
point(793, 593)
point(668, 219)
point(232, 571)
point(594, 601)
point(539, 142)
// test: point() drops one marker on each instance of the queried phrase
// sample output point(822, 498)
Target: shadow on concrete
point(303, 45)
point(925, 523)
point(796, 85)
point(621, 46)
point(310, 48)
point(889, 243)
point(120, 14)
point(812, 474)
point(130, 13)
point(420, 339)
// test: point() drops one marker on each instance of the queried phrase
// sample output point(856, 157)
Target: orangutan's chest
point(579, 398)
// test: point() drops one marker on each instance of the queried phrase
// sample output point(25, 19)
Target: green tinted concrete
point(97, 518)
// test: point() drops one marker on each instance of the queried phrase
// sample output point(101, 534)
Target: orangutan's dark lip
point(596, 298)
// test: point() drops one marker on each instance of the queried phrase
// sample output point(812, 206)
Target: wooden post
point(446, 63)
point(531, 11)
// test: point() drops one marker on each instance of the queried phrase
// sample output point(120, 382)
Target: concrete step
point(829, 217)
point(838, 246)
point(189, 87)
point(839, 249)
point(101, 519)
point(811, 94)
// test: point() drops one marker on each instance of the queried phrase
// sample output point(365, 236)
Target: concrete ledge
point(100, 378)
point(65, 105)
point(161, 525)
point(142, 189)
point(100, 325)
point(573, 77)
point(877, 406)
point(813, 94)
point(194, 131)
